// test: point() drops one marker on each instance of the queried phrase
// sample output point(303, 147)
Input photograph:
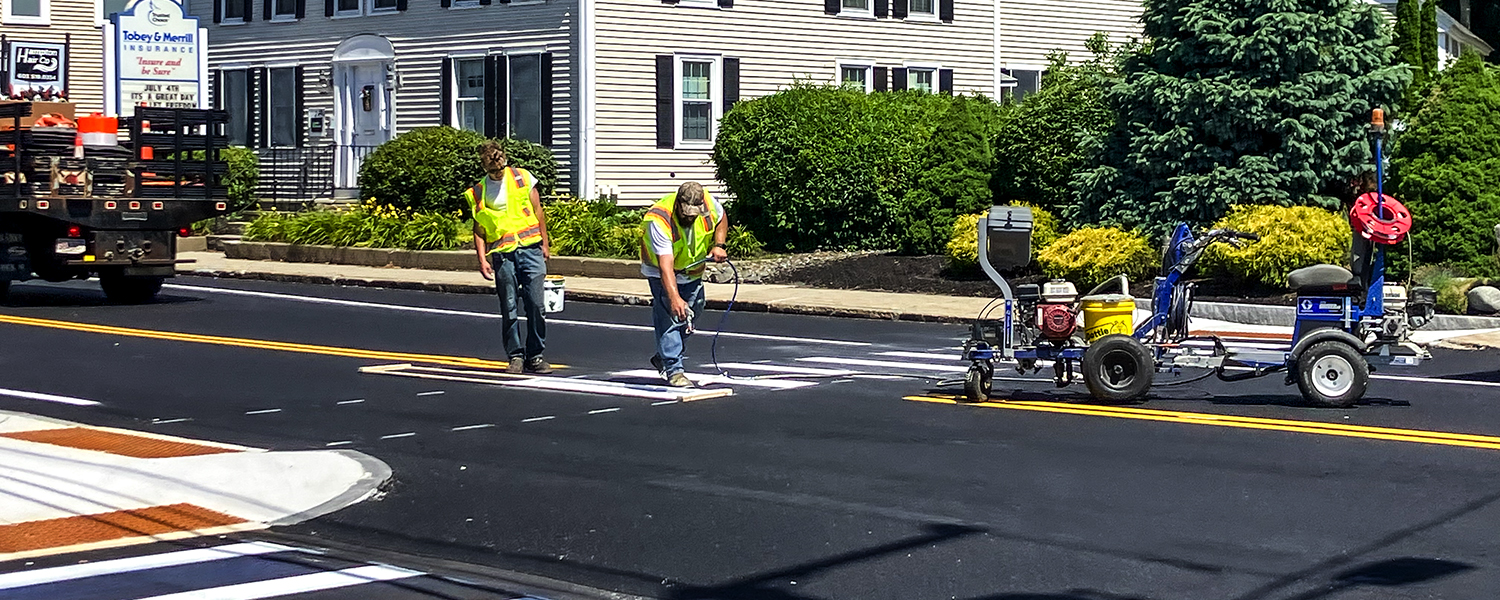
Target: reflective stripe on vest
point(517, 225)
point(686, 249)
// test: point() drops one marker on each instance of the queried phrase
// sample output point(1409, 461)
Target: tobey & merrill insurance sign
point(157, 57)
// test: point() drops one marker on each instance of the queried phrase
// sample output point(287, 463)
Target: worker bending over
point(682, 232)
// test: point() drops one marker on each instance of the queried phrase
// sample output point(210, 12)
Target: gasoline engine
point(1054, 307)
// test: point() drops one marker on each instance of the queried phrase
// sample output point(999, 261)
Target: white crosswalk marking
point(136, 563)
point(299, 584)
point(711, 379)
point(886, 365)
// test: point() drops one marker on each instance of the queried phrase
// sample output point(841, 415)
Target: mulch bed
point(929, 275)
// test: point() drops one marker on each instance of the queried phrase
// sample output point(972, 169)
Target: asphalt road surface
point(847, 474)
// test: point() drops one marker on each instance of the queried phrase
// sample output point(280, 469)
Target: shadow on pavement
point(57, 296)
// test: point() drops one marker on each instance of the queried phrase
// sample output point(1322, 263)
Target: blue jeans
point(669, 335)
point(518, 282)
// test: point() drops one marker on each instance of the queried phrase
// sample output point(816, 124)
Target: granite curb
point(429, 260)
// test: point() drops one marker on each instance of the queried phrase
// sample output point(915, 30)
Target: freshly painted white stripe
point(885, 364)
point(711, 379)
point(263, 412)
point(480, 315)
point(343, 443)
point(468, 427)
point(433, 393)
point(136, 563)
point(588, 386)
point(785, 369)
point(922, 355)
point(535, 419)
point(398, 435)
point(1435, 380)
point(47, 397)
point(664, 403)
point(604, 410)
point(299, 584)
point(169, 421)
point(356, 401)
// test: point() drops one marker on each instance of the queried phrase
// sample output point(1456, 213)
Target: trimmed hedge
point(1290, 238)
point(1090, 256)
point(428, 169)
point(820, 167)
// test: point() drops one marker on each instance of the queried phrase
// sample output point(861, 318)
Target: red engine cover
point(1056, 321)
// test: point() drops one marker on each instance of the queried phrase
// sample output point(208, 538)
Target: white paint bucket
point(553, 290)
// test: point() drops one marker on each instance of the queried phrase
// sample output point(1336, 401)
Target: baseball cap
point(691, 207)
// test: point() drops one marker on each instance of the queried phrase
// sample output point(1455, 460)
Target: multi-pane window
point(920, 79)
point(283, 108)
point(469, 97)
point(920, 7)
point(348, 6)
point(235, 96)
point(858, 5)
point(855, 77)
point(234, 10)
point(26, 9)
point(526, 97)
point(284, 8)
point(382, 5)
point(697, 100)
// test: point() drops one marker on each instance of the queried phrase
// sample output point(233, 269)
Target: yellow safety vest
point(516, 226)
point(686, 249)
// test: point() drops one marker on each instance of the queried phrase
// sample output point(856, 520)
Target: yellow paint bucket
point(1108, 314)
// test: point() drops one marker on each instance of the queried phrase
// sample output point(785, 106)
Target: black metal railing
point(294, 177)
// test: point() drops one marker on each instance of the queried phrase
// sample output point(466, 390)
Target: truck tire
point(1118, 368)
point(1332, 374)
point(4, 289)
point(121, 289)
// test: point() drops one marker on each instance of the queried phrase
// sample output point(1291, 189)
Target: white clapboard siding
point(86, 54)
point(422, 37)
point(777, 42)
point(1031, 29)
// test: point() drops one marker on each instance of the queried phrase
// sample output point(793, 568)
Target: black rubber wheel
point(1332, 374)
point(977, 383)
point(130, 290)
point(1118, 368)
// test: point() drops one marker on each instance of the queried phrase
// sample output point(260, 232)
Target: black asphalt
point(838, 490)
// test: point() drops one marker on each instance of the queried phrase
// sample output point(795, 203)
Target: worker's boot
point(679, 379)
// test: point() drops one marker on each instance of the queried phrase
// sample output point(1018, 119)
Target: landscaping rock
point(1484, 300)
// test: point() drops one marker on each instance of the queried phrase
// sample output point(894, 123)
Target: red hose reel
point(1386, 224)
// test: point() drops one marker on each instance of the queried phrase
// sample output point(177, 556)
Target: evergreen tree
point(1246, 102)
point(1409, 38)
point(1446, 168)
point(1429, 38)
point(954, 178)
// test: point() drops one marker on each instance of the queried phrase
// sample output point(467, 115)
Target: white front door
point(364, 116)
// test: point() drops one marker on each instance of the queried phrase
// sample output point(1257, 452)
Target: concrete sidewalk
point(752, 297)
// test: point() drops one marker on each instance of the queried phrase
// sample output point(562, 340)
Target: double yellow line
point(435, 359)
point(1313, 427)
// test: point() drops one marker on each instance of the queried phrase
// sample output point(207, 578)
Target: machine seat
point(1325, 280)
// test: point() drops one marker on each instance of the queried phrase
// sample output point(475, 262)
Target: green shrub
point(366, 226)
point(1290, 238)
point(1446, 169)
point(428, 169)
point(742, 243)
point(820, 167)
point(954, 179)
point(963, 247)
point(1092, 255)
point(589, 228)
point(242, 177)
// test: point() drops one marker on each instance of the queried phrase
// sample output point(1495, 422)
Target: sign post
point(156, 58)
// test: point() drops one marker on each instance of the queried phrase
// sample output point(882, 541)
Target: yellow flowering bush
point(1291, 237)
point(1089, 256)
point(963, 247)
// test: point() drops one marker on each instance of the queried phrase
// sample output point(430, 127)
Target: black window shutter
point(731, 82)
point(496, 96)
point(484, 2)
point(301, 9)
point(726, 3)
point(945, 10)
point(301, 107)
point(898, 79)
point(218, 11)
point(265, 9)
point(447, 3)
point(832, 6)
point(881, 80)
point(215, 94)
point(665, 72)
point(327, 8)
point(250, 10)
point(251, 99)
point(401, 5)
point(669, 1)
point(445, 94)
point(900, 8)
point(505, 1)
point(945, 81)
point(882, 8)
point(547, 99)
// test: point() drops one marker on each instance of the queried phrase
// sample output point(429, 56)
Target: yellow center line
point(1312, 427)
point(435, 359)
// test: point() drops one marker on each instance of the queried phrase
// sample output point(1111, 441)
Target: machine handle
point(1249, 237)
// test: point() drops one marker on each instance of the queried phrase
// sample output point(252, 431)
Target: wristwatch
point(721, 245)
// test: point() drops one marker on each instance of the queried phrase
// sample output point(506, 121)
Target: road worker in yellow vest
point(510, 236)
point(682, 232)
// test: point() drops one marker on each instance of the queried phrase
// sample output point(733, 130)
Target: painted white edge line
point(480, 315)
point(785, 369)
point(604, 410)
point(921, 355)
point(468, 427)
point(1439, 380)
point(860, 362)
point(299, 584)
point(47, 397)
point(535, 419)
point(136, 563)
